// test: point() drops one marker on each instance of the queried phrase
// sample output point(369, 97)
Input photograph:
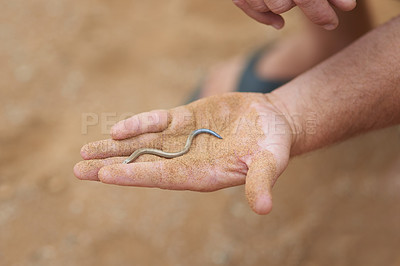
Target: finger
point(111, 148)
point(161, 174)
point(149, 122)
point(260, 178)
point(344, 5)
point(267, 18)
point(319, 12)
point(171, 174)
point(279, 6)
point(258, 5)
point(88, 170)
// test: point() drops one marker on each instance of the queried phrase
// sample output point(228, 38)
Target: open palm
point(254, 150)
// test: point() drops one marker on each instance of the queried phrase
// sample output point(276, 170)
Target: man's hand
point(320, 12)
point(254, 150)
point(348, 99)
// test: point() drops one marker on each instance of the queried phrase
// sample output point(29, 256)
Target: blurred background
point(62, 59)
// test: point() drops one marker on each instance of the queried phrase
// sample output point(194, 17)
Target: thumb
point(260, 178)
point(344, 5)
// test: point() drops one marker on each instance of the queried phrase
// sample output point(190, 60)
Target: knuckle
point(302, 2)
point(298, 2)
point(258, 5)
point(153, 118)
point(279, 7)
point(260, 8)
point(318, 14)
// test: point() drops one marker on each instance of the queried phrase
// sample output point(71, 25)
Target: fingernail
point(277, 25)
point(330, 26)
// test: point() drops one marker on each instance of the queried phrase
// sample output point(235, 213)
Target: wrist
point(301, 120)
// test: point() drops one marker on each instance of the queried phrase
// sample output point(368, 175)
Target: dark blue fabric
point(249, 81)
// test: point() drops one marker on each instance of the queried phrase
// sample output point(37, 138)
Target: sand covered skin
point(248, 124)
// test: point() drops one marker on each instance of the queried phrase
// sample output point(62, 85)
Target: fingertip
point(125, 128)
point(76, 171)
point(85, 152)
point(278, 23)
point(350, 6)
point(267, 18)
point(116, 130)
point(239, 3)
point(331, 26)
point(320, 12)
point(263, 205)
point(260, 201)
point(81, 172)
point(260, 179)
point(104, 174)
point(270, 19)
point(344, 5)
point(113, 131)
point(85, 170)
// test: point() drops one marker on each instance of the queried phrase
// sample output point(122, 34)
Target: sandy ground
point(63, 60)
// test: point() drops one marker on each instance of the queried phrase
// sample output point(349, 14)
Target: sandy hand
point(254, 150)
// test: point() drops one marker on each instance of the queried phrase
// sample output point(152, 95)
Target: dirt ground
point(61, 60)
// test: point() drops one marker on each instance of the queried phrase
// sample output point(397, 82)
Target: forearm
point(355, 91)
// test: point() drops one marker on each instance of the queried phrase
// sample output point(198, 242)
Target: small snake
point(170, 155)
